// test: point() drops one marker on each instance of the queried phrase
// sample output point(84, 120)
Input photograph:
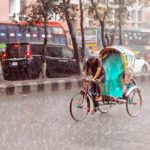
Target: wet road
point(42, 122)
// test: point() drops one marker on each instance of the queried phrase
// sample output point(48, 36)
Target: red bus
point(18, 32)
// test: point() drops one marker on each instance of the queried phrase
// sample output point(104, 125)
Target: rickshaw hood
point(117, 60)
point(127, 55)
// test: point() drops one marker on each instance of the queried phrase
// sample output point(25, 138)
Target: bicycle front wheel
point(79, 106)
point(134, 102)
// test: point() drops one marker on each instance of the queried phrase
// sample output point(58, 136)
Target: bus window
point(50, 39)
point(34, 34)
point(3, 36)
point(18, 33)
point(57, 30)
point(59, 36)
point(21, 32)
point(56, 39)
point(27, 35)
point(11, 33)
point(60, 39)
point(41, 35)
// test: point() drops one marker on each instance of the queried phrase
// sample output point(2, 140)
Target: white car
point(141, 65)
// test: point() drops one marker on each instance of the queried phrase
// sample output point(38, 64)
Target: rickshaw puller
point(98, 73)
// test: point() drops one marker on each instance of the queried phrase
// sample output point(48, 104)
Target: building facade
point(139, 16)
point(4, 10)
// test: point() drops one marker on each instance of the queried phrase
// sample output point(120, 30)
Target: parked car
point(22, 60)
point(141, 65)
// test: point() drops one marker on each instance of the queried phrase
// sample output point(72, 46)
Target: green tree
point(110, 12)
point(68, 12)
point(44, 11)
point(41, 11)
point(100, 14)
point(122, 14)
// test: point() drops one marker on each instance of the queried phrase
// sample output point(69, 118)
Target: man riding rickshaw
point(119, 86)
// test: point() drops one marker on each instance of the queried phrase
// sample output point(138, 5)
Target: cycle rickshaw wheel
point(79, 106)
point(134, 102)
point(105, 105)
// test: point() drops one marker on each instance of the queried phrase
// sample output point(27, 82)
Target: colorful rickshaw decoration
point(118, 62)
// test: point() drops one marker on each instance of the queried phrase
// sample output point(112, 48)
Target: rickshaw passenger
point(98, 72)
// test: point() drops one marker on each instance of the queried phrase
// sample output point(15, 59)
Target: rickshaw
point(119, 87)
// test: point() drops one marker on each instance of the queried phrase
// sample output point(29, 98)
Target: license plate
point(14, 63)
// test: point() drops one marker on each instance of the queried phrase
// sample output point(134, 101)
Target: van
point(24, 60)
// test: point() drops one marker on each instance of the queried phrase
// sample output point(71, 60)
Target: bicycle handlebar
point(90, 80)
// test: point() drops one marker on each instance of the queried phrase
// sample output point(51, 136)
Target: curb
point(40, 85)
point(50, 85)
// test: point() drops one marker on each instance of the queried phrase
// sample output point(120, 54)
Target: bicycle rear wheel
point(134, 102)
point(105, 105)
point(79, 106)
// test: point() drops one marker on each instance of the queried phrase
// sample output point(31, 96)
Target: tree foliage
point(108, 12)
point(46, 10)
point(40, 12)
point(68, 12)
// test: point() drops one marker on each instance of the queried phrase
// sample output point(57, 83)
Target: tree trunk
point(120, 22)
point(120, 30)
point(82, 29)
point(103, 34)
point(74, 42)
point(72, 33)
point(107, 39)
point(101, 21)
point(112, 37)
point(43, 68)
